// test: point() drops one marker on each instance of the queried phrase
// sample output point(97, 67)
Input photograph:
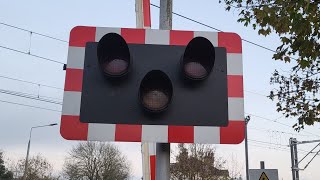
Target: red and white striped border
point(73, 129)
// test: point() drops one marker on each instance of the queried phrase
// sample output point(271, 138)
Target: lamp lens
point(195, 70)
point(155, 100)
point(115, 67)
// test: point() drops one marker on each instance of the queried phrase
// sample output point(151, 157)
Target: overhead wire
point(29, 96)
point(30, 82)
point(264, 142)
point(277, 131)
point(29, 52)
point(211, 27)
point(268, 145)
point(33, 55)
point(31, 106)
point(30, 31)
point(274, 121)
point(177, 14)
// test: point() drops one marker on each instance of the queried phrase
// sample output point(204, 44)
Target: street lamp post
point(27, 157)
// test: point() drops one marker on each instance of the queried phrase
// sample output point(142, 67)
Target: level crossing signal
point(145, 85)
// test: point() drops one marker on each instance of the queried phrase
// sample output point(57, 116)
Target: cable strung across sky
point(40, 34)
point(30, 96)
point(30, 82)
point(26, 105)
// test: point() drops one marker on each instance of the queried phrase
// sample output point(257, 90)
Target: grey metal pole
point(163, 149)
point(247, 119)
point(296, 161)
point(165, 21)
point(294, 158)
point(163, 161)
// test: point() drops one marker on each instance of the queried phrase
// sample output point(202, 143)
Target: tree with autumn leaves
point(298, 27)
point(200, 162)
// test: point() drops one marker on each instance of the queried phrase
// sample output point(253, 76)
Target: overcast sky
point(268, 139)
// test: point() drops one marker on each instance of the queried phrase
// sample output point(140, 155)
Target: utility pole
point(163, 149)
point(294, 158)
point(165, 21)
point(247, 119)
